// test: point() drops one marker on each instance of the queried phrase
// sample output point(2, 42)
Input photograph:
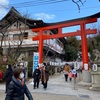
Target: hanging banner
point(35, 60)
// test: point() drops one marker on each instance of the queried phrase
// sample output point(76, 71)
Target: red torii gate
point(82, 32)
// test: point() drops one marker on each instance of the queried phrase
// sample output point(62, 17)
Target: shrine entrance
point(82, 32)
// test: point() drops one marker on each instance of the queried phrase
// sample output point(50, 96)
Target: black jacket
point(16, 91)
point(8, 75)
point(36, 73)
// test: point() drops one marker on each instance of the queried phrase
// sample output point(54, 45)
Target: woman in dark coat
point(45, 76)
point(8, 76)
point(17, 87)
point(36, 76)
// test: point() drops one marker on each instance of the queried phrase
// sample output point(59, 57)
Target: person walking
point(8, 75)
point(17, 87)
point(70, 76)
point(45, 76)
point(66, 71)
point(36, 76)
point(24, 70)
point(14, 66)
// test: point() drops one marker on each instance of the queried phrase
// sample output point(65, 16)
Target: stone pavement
point(58, 89)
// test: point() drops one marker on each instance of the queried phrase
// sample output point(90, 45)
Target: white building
point(17, 31)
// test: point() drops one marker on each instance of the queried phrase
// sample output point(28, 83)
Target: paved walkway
point(58, 89)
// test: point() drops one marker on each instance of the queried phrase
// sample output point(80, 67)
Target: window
point(5, 37)
point(25, 35)
point(16, 36)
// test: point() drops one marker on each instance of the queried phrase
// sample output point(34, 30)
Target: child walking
point(70, 76)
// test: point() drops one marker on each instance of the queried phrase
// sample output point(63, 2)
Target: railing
point(75, 64)
point(15, 41)
point(53, 45)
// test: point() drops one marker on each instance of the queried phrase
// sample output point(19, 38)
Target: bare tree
point(10, 43)
point(79, 1)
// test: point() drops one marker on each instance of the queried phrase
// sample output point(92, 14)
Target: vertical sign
point(85, 66)
point(35, 60)
point(94, 68)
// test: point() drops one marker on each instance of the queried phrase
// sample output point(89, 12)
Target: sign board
point(86, 66)
point(25, 64)
point(94, 68)
point(35, 60)
point(73, 71)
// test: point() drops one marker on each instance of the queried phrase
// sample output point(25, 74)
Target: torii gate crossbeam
point(82, 32)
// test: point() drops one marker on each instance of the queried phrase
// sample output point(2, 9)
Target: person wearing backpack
point(66, 71)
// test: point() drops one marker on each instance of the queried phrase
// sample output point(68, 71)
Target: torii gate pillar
point(40, 49)
point(85, 64)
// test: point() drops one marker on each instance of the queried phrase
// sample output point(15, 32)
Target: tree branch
point(77, 3)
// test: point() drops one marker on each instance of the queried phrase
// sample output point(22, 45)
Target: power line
point(66, 9)
point(39, 2)
point(43, 2)
point(36, 3)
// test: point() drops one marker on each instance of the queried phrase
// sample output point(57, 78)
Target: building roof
point(97, 15)
point(14, 15)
